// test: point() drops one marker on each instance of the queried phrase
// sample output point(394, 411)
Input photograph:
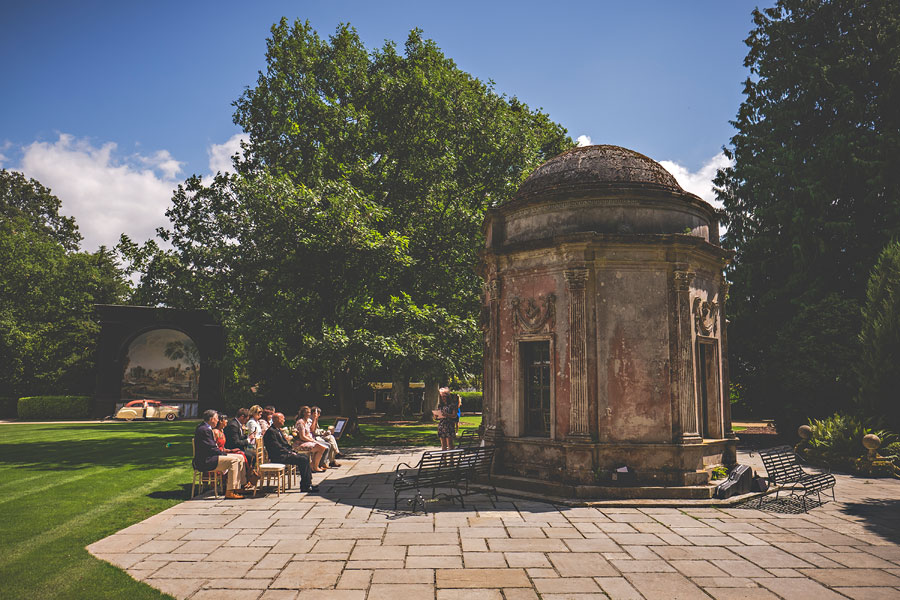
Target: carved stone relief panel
point(706, 313)
point(531, 317)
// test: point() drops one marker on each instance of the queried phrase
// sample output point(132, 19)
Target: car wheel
point(170, 417)
point(129, 417)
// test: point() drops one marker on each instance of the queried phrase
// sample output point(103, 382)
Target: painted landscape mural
point(162, 364)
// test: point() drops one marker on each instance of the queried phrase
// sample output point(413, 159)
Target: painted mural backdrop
point(162, 364)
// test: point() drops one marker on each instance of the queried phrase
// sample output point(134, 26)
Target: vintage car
point(147, 409)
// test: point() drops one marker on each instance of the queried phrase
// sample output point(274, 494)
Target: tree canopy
point(47, 293)
point(813, 196)
point(346, 244)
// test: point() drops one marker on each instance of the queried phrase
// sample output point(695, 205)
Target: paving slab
point(348, 543)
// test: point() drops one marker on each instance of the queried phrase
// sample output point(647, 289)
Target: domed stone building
point(605, 332)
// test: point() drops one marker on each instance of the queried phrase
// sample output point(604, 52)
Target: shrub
point(837, 440)
point(471, 401)
point(8, 408)
point(892, 449)
point(40, 408)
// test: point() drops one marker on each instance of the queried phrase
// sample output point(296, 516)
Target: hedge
point(7, 408)
point(471, 401)
point(42, 408)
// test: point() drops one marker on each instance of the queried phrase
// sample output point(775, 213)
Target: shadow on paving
point(880, 516)
point(783, 504)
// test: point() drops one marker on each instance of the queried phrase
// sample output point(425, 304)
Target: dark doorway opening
point(536, 363)
point(709, 388)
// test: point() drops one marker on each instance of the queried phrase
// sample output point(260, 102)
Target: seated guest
point(208, 456)
point(254, 429)
point(219, 432)
point(265, 420)
point(280, 452)
point(236, 438)
point(270, 412)
point(325, 436)
point(304, 440)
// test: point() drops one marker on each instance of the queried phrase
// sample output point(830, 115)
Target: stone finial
point(804, 431)
point(871, 441)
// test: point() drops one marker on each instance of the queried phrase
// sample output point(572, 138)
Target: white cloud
point(106, 195)
point(699, 182)
point(583, 140)
point(6, 145)
point(220, 154)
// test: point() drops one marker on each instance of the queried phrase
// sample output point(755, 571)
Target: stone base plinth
point(653, 465)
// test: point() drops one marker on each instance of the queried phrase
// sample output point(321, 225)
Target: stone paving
point(347, 543)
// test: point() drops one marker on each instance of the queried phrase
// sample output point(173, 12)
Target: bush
point(471, 401)
point(44, 408)
point(892, 449)
point(8, 408)
point(836, 441)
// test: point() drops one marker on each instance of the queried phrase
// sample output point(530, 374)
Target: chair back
point(260, 451)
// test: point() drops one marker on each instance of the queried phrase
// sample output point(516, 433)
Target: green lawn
point(64, 486)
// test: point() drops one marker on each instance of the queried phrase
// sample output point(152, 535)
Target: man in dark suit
point(208, 457)
point(280, 452)
point(236, 438)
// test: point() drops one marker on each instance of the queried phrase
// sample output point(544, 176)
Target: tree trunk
point(343, 391)
point(432, 397)
point(399, 387)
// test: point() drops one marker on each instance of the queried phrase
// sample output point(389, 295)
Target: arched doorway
point(161, 354)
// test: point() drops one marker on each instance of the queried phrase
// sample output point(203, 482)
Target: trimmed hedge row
point(471, 401)
point(44, 408)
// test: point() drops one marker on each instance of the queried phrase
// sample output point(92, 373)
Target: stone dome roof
point(589, 169)
point(600, 190)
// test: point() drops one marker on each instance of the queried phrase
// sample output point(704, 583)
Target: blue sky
point(111, 104)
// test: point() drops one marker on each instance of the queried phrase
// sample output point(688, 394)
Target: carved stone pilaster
point(492, 361)
point(723, 340)
point(684, 364)
point(579, 426)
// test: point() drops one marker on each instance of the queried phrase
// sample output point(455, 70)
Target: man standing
point(280, 452)
point(208, 457)
point(236, 438)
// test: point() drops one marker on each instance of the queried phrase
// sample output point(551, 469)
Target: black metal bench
point(468, 438)
point(444, 468)
point(784, 471)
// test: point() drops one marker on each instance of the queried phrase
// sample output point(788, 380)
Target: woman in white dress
point(254, 431)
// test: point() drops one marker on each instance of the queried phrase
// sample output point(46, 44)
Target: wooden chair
point(205, 477)
point(268, 471)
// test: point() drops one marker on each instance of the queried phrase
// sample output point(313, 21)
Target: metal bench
point(468, 438)
point(443, 468)
point(784, 471)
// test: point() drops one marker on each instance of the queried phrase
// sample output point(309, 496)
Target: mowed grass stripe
point(83, 519)
point(16, 482)
point(13, 496)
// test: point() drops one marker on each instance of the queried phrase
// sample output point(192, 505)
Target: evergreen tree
point(879, 341)
point(813, 196)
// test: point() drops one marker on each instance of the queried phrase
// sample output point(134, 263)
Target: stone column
point(492, 358)
point(578, 385)
point(684, 358)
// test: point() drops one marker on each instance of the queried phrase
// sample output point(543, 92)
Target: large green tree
point(47, 294)
point(422, 149)
point(813, 196)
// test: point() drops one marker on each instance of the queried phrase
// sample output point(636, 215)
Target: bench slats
point(784, 470)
